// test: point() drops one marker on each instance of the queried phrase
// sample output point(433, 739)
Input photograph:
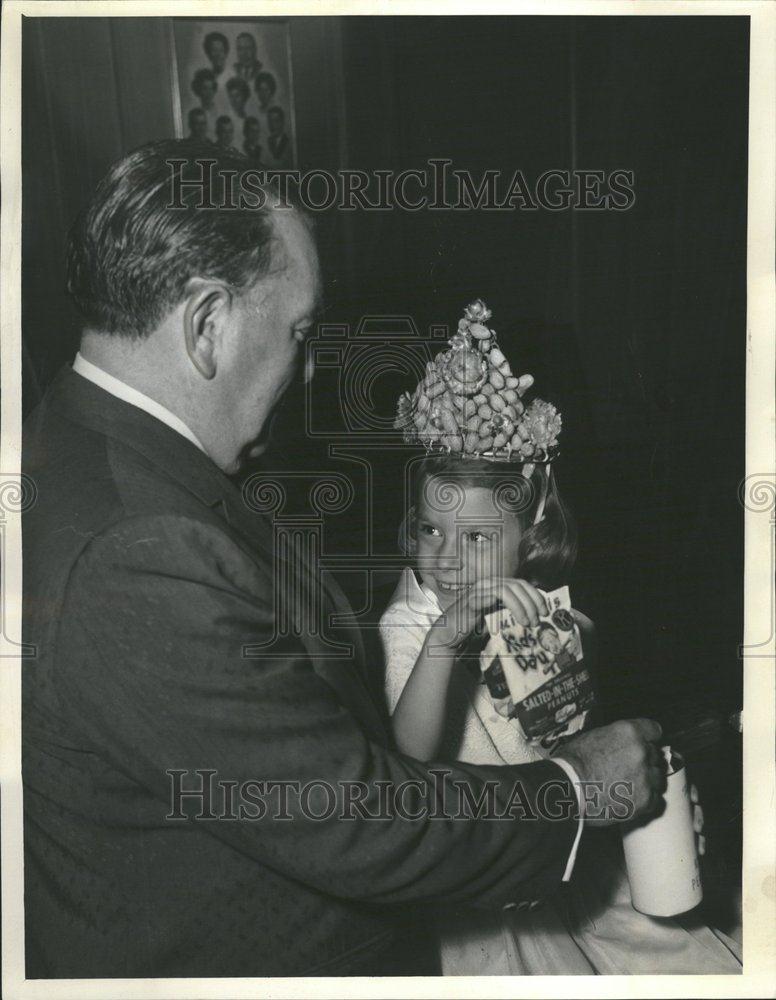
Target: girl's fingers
point(522, 599)
point(533, 595)
point(486, 588)
point(518, 603)
point(697, 818)
point(518, 596)
point(489, 591)
point(530, 597)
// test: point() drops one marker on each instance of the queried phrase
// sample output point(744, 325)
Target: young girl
point(487, 527)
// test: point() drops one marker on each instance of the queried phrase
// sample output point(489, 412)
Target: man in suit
point(224, 132)
point(251, 144)
point(198, 125)
point(279, 142)
point(247, 65)
point(148, 731)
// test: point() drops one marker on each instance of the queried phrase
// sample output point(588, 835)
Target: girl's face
point(474, 540)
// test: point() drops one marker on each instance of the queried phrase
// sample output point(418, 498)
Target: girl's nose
point(452, 554)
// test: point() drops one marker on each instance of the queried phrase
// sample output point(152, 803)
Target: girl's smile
point(453, 588)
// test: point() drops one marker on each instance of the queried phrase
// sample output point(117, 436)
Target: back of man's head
point(132, 251)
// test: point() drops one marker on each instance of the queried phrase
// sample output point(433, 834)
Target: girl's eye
point(478, 537)
point(428, 529)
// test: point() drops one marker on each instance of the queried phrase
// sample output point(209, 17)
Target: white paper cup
point(661, 855)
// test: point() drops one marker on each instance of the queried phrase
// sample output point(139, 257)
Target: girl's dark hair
point(547, 550)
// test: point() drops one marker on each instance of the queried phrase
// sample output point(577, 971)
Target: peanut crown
point(469, 402)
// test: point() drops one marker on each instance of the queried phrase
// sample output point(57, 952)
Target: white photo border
point(759, 892)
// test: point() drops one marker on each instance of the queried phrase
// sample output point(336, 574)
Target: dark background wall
point(633, 322)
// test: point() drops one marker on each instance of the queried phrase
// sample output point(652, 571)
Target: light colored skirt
point(587, 927)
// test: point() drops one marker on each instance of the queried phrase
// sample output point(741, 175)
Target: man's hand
point(626, 764)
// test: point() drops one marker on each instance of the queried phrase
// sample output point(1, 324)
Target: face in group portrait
point(265, 89)
point(278, 139)
point(216, 48)
point(205, 86)
point(238, 92)
point(198, 125)
point(247, 65)
point(251, 137)
point(224, 132)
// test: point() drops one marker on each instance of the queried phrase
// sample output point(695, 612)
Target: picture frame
point(232, 86)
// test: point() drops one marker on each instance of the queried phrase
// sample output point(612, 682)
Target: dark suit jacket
point(145, 577)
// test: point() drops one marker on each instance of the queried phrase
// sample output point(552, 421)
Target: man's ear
point(206, 309)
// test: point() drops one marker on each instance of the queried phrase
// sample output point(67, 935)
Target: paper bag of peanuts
point(536, 675)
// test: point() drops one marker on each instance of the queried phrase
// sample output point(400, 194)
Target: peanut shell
point(449, 423)
point(479, 331)
point(471, 442)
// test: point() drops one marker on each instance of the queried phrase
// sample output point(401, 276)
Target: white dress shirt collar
point(134, 397)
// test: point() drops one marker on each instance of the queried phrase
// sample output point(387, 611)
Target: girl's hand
point(518, 596)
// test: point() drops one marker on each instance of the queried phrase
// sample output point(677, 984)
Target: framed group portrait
point(232, 86)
